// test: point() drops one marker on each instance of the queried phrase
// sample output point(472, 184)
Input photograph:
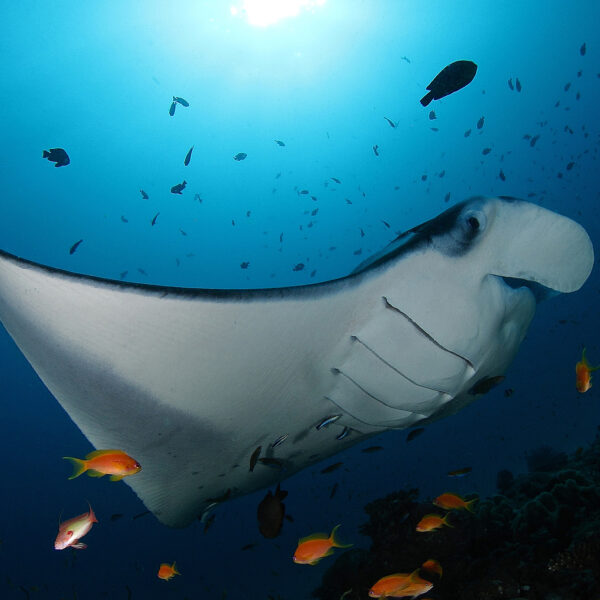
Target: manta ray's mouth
point(540, 292)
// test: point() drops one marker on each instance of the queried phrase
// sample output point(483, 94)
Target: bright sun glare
point(262, 13)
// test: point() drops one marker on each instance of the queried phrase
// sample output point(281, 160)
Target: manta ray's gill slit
point(355, 338)
point(389, 305)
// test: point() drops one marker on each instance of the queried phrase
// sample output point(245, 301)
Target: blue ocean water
point(97, 79)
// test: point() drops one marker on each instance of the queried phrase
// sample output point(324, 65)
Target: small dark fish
point(123, 274)
point(372, 449)
point(480, 122)
point(332, 467)
point(423, 177)
point(510, 84)
point(271, 462)
point(221, 498)
point(154, 218)
point(182, 232)
point(208, 522)
point(280, 238)
point(254, 457)
point(375, 147)
point(74, 247)
point(188, 156)
point(240, 156)
point(304, 192)
point(198, 197)
point(177, 189)
point(502, 175)
point(327, 421)
point(333, 490)
point(432, 115)
point(447, 197)
point(442, 173)
point(345, 433)
point(484, 385)
point(116, 517)
point(518, 85)
point(314, 212)
point(144, 195)
point(57, 156)
point(449, 80)
point(385, 223)
point(570, 166)
point(348, 201)
point(357, 252)
point(335, 179)
point(533, 140)
point(508, 392)
point(124, 219)
point(362, 233)
point(271, 512)
point(405, 58)
point(244, 265)
point(434, 128)
point(279, 440)
point(467, 133)
point(486, 151)
point(181, 101)
point(582, 49)
point(248, 547)
point(140, 270)
point(172, 108)
point(279, 143)
point(298, 267)
point(460, 472)
point(392, 124)
point(140, 515)
point(567, 86)
point(414, 433)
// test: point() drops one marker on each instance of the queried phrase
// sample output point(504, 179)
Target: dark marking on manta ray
point(421, 330)
point(254, 458)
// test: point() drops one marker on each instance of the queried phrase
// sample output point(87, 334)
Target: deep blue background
point(97, 78)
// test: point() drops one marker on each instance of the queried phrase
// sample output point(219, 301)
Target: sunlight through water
point(262, 13)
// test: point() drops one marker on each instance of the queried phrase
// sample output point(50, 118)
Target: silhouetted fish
point(240, 156)
point(332, 467)
point(467, 133)
point(480, 122)
point(244, 265)
point(582, 49)
point(154, 218)
point(188, 156)
point(375, 147)
point(518, 85)
point(58, 156)
point(298, 267)
point(75, 246)
point(432, 115)
point(414, 433)
point(144, 195)
point(172, 108)
point(270, 513)
point(510, 84)
point(335, 179)
point(502, 175)
point(279, 143)
point(449, 80)
point(181, 101)
point(177, 189)
point(392, 124)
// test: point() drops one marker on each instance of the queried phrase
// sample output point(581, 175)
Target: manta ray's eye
point(474, 222)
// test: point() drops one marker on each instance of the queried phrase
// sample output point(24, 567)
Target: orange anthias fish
point(432, 566)
point(432, 522)
point(71, 531)
point(313, 548)
point(166, 571)
point(105, 462)
point(453, 502)
point(583, 376)
point(400, 585)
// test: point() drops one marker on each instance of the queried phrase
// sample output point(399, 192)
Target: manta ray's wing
point(189, 382)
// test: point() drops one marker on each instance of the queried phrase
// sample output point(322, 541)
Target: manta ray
point(191, 382)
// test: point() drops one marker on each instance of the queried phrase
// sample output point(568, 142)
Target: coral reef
point(537, 539)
